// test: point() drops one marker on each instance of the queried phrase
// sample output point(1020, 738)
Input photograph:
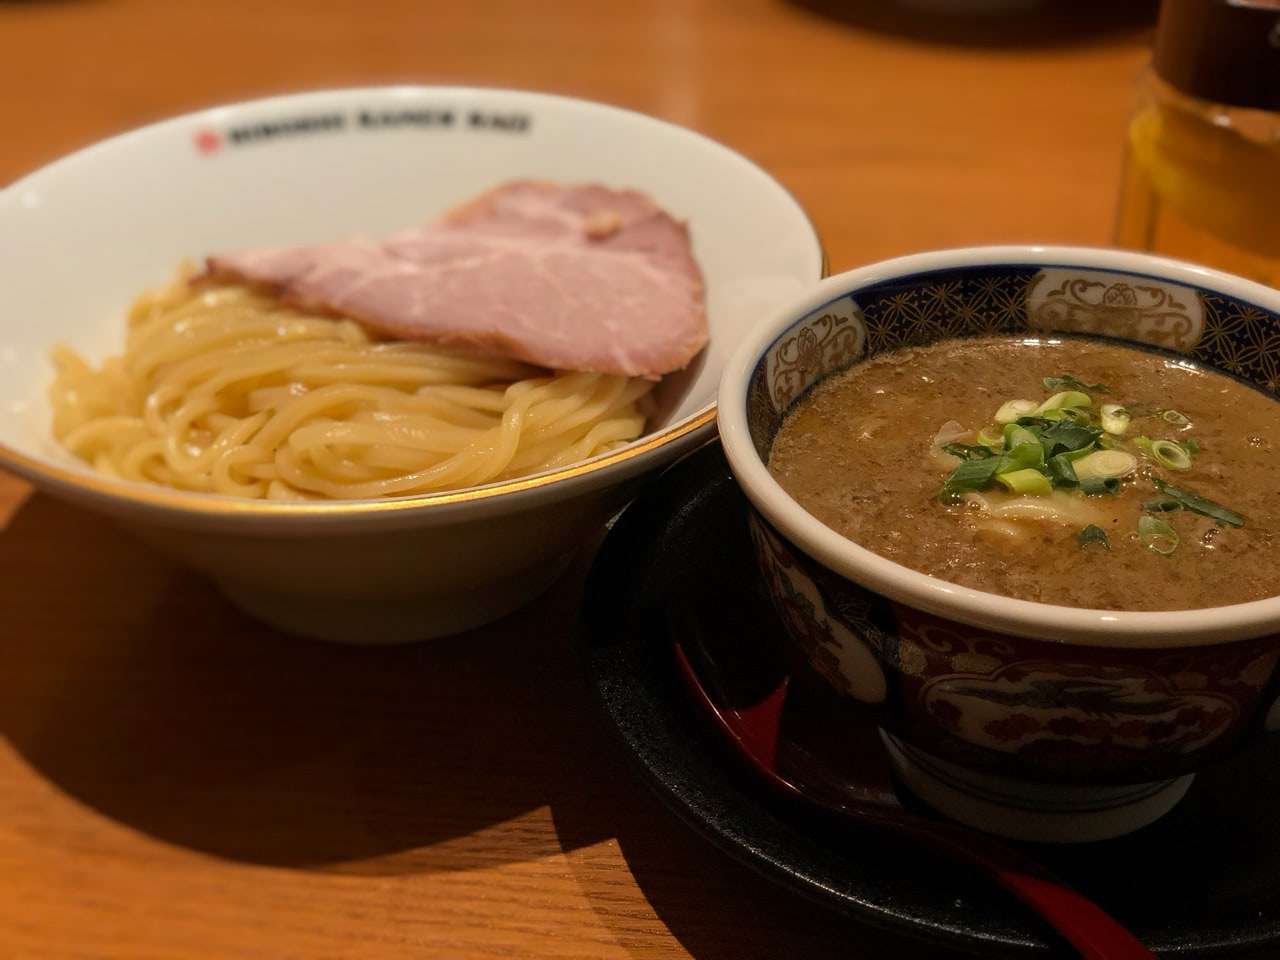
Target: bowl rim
point(1008, 615)
point(83, 483)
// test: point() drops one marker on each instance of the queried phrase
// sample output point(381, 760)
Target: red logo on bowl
point(208, 141)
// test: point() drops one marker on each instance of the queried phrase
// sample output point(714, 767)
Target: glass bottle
point(1202, 159)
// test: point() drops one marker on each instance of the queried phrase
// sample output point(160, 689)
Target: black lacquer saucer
point(1204, 881)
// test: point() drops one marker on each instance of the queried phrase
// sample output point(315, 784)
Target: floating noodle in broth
point(223, 390)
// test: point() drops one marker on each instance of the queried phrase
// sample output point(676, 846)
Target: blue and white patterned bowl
point(941, 667)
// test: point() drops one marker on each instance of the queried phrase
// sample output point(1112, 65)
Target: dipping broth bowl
point(977, 696)
point(81, 238)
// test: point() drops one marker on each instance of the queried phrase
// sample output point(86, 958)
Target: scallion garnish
point(1073, 383)
point(1028, 480)
point(1093, 534)
point(1199, 504)
point(1170, 454)
point(1065, 400)
point(968, 476)
point(991, 437)
point(1102, 464)
point(1157, 535)
point(1114, 418)
point(1011, 410)
point(1097, 486)
point(1023, 454)
point(1033, 447)
point(1061, 471)
point(1015, 434)
point(1061, 436)
point(968, 451)
point(1167, 453)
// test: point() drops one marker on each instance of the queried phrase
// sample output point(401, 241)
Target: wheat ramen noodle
point(222, 390)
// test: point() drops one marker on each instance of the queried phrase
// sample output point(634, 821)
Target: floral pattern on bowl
point(845, 646)
point(1160, 314)
point(1014, 705)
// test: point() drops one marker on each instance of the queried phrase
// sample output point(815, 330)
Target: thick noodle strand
point(222, 390)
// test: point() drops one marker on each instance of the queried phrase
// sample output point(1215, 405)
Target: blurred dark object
point(991, 23)
point(995, 23)
point(1225, 52)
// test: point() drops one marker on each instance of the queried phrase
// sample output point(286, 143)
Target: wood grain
point(178, 782)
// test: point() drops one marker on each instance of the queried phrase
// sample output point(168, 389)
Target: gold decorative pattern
point(1240, 338)
point(1147, 311)
point(828, 340)
point(953, 305)
point(1222, 332)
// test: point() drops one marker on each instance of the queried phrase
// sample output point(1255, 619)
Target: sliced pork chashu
point(577, 277)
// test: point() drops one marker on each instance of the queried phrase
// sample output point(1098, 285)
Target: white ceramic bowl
point(80, 238)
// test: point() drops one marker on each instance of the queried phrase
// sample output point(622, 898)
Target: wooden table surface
point(179, 782)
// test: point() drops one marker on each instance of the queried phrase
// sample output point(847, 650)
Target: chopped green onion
point(1093, 534)
point(1061, 472)
point(1096, 486)
point(1062, 436)
point(1074, 414)
point(1032, 448)
point(1022, 455)
point(1061, 466)
point(1066, 380)
point(1115, 418)
point(969, 475)
point(1168, 453)
point(1066, 400)
point(991, 437)
point(1029, 480)
point(1200, 505)
point(1157, 535)
point(1103, 464)
point(1016, 434)
point(1011, 410)
point(967, 451)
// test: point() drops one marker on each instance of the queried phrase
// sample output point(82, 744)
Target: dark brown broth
point(856, 452)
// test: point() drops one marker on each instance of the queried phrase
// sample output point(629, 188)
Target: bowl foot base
point(1020, 810)
point(396, 619)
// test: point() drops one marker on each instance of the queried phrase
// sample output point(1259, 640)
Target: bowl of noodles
point(413, 432)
